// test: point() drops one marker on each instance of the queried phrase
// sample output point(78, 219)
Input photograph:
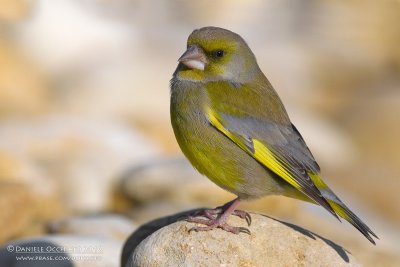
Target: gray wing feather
point(284, 139)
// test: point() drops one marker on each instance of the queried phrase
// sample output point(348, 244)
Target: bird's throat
point(187, 74)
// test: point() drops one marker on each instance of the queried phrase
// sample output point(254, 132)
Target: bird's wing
point(281, 149)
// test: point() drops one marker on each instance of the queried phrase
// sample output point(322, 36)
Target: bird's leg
point(216, 218)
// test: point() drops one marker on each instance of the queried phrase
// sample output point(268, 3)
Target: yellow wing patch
point(268, 158)
point(318, 181)
point(261, 153)
point(340, 210)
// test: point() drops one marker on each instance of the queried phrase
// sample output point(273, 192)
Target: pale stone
point(107, 226)
point(271, 243)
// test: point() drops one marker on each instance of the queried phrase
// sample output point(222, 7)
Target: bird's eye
point(219, 53)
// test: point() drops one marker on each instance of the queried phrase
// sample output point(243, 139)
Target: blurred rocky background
point(85, 138)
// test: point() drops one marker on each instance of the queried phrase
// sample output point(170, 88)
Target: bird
point(233, 128)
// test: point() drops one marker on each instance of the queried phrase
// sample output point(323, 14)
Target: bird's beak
point(193, 58)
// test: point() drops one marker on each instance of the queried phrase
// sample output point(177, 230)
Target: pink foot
point(216, 218)
point(212, 214)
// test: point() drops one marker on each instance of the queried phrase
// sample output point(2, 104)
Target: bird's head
point(216, 54)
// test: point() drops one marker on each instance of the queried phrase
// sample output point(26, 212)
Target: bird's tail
point(341, 209)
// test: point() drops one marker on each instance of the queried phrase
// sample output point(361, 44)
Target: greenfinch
point(232, 126)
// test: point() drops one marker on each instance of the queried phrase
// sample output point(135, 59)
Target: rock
point(76, 159)
point(61, 250)
point(52, 166)
point(14, 221)
point(271, 243)
point(106, 226)
point(28, 201)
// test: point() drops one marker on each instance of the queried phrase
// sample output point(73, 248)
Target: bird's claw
point(243, 215)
